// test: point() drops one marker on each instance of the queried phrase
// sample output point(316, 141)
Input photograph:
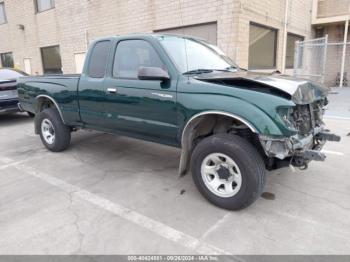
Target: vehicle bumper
point(9, 106)
point(298, 150)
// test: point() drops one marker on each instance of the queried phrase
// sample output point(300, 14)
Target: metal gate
point(324, 62)
point(310, 59)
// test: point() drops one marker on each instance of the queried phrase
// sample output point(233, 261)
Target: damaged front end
point(309, 138)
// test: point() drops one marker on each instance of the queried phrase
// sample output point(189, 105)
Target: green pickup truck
point(231, 124)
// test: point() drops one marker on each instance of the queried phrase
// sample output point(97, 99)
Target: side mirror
point(152, 73)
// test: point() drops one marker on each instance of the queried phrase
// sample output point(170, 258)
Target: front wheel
point(54, 134)
point(228, 171)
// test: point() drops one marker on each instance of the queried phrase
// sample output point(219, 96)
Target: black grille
point(307, 117)
point(302, 118)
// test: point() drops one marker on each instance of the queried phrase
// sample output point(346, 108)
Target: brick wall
point(71, 22)
point(335, 53)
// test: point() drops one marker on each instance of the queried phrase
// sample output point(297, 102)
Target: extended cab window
point(98, 59)
point(133, 54)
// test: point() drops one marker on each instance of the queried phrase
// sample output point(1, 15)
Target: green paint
point(149, 109)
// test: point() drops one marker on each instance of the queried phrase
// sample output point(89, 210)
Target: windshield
point(193, 55)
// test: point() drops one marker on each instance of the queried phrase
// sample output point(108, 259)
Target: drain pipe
point(344, 53)
point(86, 40)
point(285, 33)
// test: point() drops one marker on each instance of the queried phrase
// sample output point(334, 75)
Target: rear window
point(98, 59)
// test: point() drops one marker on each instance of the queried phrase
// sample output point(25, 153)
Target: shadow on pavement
point(12, 119)
point(339, 105)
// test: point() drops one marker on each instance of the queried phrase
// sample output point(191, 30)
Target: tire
point(247, 168)
point(61, 132)
point(30, 114)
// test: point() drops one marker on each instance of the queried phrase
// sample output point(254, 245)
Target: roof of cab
point(147, 35)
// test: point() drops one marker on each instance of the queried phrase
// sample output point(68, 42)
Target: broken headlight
point(286, 115)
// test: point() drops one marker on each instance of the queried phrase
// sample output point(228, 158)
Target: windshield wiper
point(234, 68)
point(231, 67)
point(198, 71)
point(203, 71)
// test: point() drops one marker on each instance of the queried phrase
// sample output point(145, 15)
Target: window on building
point(291, 39)
point(2, 13)
point(133, 54)
point(7, 59)
point(206, 31)
point(51, 59)
point(262, 47)
point(98, 59)
point(42, 5)
point(319, 32)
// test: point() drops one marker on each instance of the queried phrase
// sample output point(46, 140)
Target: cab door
point(91, 87)
point(145, 108)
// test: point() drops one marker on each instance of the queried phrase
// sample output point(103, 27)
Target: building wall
point(271, 13)
point(72, 24)
point(335, 34)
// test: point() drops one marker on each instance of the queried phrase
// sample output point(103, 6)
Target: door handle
point(111, 90)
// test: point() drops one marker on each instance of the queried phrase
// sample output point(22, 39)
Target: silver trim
point(48, 131)
point(162, 95)
point(20, 107)
point(251, 127)
point(111, 90)
point(55, 103)
point(184, 147)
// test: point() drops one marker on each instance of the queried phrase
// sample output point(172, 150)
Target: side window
point(133, 54)
point(98, 59)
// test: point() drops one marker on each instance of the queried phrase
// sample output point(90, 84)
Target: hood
point(300, 91)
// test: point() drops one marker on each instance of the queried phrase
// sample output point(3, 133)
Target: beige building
point(331, 18)
point(44, 36)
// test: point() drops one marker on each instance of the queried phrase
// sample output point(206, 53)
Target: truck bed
point(61, 89)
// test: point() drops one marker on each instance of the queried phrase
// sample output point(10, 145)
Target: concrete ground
point(114, 195)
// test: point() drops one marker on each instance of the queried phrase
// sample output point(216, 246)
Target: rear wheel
point(228, 171)
point(54, 134)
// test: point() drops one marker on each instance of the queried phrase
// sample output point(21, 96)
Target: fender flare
point(187, 137)
point(54, 102)
point(36, 124)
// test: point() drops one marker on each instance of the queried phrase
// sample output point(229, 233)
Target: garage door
point(204, 31)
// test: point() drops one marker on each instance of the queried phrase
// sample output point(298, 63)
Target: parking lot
point(115, 195)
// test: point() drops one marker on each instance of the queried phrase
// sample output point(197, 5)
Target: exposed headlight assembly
point(286, 115)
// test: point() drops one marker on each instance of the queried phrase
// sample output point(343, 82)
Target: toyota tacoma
point(231, 124)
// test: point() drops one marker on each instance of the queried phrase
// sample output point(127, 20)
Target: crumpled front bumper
point(299, 150)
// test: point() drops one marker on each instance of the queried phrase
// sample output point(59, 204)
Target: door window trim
point(90, 55)
point(114, 57)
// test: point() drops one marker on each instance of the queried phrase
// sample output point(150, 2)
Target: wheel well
point(207, 125)
point(43, 103)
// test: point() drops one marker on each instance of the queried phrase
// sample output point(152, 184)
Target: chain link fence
point(310, 59)
point(321, 61)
